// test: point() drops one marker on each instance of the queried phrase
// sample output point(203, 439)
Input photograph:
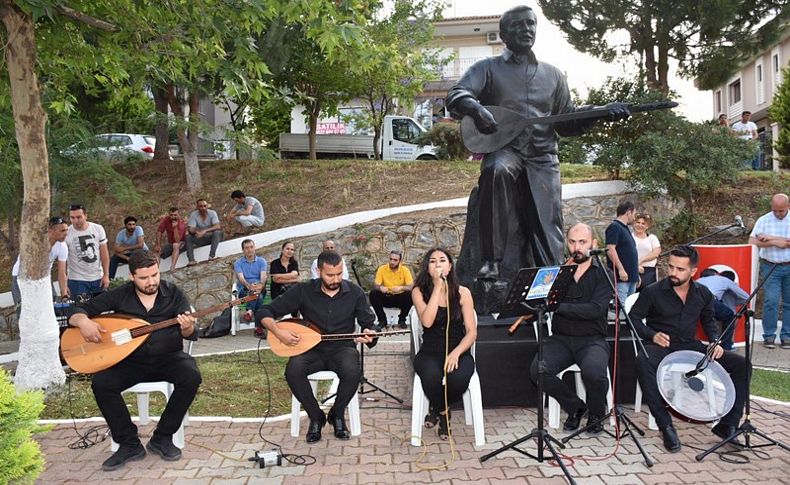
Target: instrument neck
point(146, 329)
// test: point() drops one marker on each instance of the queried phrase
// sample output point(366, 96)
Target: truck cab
point(398, 140)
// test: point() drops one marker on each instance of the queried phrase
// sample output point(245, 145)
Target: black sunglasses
point(76, 207)
point(54, 221)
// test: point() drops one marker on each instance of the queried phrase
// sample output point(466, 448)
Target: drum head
point(708, 396)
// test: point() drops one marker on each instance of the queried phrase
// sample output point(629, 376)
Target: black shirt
point(666, 312)
point(276, 267)
point(170, 302)
point(584, 310)
point(435, 338)
point(618, 234)
point(331, 314)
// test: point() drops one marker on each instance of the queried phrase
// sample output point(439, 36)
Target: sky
point(584, 71)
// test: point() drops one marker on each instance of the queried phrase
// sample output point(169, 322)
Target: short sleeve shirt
point(770, 225)
point(126, 240)
point(251, 269)
point(199, 223)
point(58, 252)
point(257, 208)
point(618, 234)
point(84, 260)
point(388, 278)
point(166, 225)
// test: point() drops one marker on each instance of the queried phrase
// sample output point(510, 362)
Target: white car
point(115, 147)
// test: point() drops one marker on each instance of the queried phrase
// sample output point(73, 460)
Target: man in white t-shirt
point(328, 245)
point(89, 259)
point(58, 251)
point(747, 130)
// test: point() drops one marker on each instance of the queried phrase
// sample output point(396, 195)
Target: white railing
point(458, 66)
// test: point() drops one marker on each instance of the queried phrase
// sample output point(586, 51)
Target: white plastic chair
point(143, 390)
point(473, 399)
point(235, 323)
point(651, 421)
point(581, 391)
point(353, 405)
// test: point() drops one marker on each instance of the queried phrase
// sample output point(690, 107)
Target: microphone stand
point(695, 241)
point(544, 439)
point(621, 419)
point(746, 429)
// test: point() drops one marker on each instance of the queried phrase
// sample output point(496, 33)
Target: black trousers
point(178, 368)
point(733, 363)
point(591, 354)
point(379, 301)
point(430, 367)
point(339, 357)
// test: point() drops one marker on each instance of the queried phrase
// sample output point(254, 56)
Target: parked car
point(115, 147)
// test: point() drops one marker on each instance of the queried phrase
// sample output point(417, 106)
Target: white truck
point(397, 143)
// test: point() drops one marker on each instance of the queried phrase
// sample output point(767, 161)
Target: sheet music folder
point(533, 286)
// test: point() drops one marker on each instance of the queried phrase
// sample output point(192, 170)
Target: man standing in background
point(89, 259)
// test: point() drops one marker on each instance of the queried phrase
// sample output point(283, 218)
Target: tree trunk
point(162, 151)
point(39, 363)
point(187, 136)
point(314, 112)
point(377, 155)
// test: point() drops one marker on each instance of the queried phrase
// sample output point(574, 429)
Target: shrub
point(20, 455)
point(446, 137)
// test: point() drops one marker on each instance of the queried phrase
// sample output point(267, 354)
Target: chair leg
point(296, 407)
point(353, 415)
point(476, 405)
point(143, 401)
point(418, 411)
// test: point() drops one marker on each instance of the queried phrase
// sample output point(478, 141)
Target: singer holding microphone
point(444, 356)
point(579, 335)
point(671, 309)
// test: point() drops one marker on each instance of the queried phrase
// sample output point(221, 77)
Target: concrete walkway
point(217, 450)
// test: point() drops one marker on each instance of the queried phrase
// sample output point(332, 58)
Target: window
point(759, 82)
point(405, 130)
point(776, 69)
point(717, 102)
point(734, 90)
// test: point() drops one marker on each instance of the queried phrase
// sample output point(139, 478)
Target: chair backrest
point(629, 302)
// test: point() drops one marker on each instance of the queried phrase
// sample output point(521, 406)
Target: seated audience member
point(248, 212)
point(129, 239)
point(203, 228)
point(727, 296)
point(175, 228)
point(284, 270)
point(436, 283)
point(647, 248)
point(392, 289)
point(328, 245)
point(251, 274)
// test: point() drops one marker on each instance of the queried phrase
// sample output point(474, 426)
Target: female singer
point(445, 352)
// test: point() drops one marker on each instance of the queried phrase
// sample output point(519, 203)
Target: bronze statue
point(514, 216)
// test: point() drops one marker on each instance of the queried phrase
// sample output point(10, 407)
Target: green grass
point(233, 385)
point(771, 384)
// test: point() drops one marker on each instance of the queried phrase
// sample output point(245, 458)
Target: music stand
point(525, 298)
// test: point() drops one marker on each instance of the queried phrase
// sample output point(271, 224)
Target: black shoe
point(724, 431)
point(573, 421)
point(597, 425)
point(164, 448)
point(125, 453)
point(671, 440)
point(314, 430)
point(339, 423)
point(402, 325)
point(444, 426)
point(432, 418)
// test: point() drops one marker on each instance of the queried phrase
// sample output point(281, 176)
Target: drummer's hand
point(717, 352)
point(286, 337)
point(661, 339)
point(365, 339)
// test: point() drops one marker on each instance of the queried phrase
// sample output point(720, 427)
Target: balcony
point(457, 67)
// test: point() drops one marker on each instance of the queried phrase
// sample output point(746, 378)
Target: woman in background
point(648, 248)
point(445, 349)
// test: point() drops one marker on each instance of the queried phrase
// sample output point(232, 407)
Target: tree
point(397, 63)
point(661, 30)
point(780, 113)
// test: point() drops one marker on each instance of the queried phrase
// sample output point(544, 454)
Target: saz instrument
point(511, 123)
point(124, 334)
point(701, 398)
point(310, 336)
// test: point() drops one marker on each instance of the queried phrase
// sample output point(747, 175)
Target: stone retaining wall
point(367, 245)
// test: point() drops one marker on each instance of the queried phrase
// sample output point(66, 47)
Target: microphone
point(593, 252)
point(441, 275)
point(739, 221)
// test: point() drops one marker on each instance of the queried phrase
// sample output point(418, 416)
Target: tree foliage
point(396, 63)
point(21, 460)
point(693, 33)
point(780, 113)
